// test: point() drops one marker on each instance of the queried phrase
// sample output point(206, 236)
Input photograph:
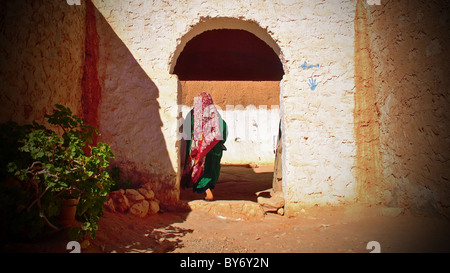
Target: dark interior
point(230, 55)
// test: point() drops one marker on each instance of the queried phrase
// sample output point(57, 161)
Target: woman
point(204, 146)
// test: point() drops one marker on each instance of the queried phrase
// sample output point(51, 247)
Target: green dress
point(212, 160)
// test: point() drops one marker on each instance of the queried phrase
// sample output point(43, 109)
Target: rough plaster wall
point(129, 116)
point(318, 136)
point(42, 58)
point(409, 42)
point(395, 151)
point(318, 125)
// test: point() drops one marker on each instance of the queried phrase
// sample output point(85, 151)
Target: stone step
point(229, 209)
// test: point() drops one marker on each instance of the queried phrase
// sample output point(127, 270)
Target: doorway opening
point(242, 73)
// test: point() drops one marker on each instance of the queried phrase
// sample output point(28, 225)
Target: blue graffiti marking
point(306, 66)
point(312, 84)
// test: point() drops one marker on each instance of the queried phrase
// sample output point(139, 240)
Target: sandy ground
point(201, 233)
point(318, 229)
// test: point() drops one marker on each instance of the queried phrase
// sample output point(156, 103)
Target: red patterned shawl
point(206, 135)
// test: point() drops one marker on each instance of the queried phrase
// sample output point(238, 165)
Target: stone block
point(140, 209)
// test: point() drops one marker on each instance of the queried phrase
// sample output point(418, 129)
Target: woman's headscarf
point(206, 135)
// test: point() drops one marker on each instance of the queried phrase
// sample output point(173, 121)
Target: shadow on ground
point(127, 233)
point(237, 182)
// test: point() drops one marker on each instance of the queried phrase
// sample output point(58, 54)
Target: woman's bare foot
point(209, 195)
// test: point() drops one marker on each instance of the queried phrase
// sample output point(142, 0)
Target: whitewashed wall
point(316, 102)
point(252, 133)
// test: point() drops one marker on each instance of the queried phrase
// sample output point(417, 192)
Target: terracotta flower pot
point(67, 212)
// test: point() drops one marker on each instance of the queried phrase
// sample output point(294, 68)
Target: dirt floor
point(319, 229)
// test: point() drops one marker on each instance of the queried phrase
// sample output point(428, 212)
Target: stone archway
point(223, 54)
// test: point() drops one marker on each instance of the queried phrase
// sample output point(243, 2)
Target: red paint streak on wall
point(91, 95)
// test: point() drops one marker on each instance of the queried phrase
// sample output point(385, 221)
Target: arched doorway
point(228, 55)
point(242, 71)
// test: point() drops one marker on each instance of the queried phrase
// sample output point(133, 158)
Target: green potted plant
point(64, 172)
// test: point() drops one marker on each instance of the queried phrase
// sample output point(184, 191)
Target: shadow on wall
point(128, 116)
point(129, 120)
